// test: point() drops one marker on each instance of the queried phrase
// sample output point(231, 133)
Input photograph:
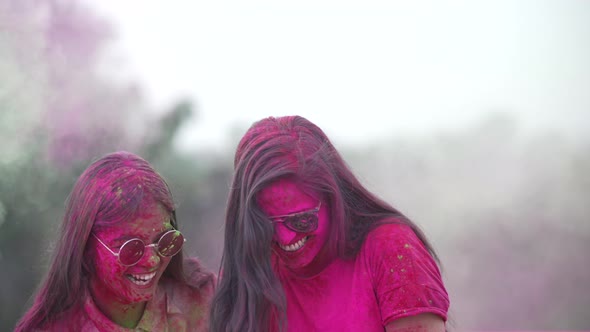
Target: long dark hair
point(249, 296)
point(109, 191)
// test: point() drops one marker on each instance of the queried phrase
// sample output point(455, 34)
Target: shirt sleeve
point(405, 277)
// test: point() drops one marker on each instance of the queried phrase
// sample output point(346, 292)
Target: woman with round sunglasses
point(309, 248)
point(118, 263)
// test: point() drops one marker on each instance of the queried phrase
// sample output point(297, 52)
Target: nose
point(150, 258)
point(284, 235)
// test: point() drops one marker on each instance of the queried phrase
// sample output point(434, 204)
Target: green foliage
point(57, 114)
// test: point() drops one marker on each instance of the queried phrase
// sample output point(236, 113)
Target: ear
point(173, 221)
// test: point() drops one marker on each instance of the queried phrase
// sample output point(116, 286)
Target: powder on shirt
point(393, 276)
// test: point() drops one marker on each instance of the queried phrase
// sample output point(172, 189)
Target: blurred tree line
point(507, 212)
point(58, 113)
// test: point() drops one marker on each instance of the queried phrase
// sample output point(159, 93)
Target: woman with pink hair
point(118, 262)
point(309, 248)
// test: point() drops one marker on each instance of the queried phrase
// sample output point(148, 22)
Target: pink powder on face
point(286, 197)
point(111, 282)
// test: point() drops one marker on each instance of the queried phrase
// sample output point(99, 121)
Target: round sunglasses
point(132, 250)
point(301, 222)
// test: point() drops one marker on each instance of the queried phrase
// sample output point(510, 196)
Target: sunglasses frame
point(117, 254)
point(314, 211)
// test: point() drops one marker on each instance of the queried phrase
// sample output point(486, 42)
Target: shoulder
point(70, 321)
point(196, 290)
point(395, 247)
point(188, 301)
point(405, 276)
point(197, 276)
point(391, 235)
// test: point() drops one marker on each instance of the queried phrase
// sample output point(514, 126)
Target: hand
point(419, 323)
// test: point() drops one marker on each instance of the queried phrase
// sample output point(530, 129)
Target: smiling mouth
point(141, 279)
point(295, 246)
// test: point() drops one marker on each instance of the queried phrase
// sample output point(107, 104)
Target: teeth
point(295, 246)
point(141, 279)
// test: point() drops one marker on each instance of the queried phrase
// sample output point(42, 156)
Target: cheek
point(107, 265)
point(108, 276)
point(165, 262)
point(324, 223)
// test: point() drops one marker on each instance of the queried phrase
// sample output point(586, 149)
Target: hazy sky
point(359, 69)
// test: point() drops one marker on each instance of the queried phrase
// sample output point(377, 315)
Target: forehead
point(152, 218)
point(284, 196)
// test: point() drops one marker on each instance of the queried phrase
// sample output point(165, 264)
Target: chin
point(137, 294)
point(295, 263)
point(145, 297)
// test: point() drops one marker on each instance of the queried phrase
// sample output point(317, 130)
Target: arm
point(418, 323)
point(407, 281)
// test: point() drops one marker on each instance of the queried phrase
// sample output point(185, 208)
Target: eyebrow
point(306, 210)
point(124, 238)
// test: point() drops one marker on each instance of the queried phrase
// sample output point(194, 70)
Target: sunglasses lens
point(131, 252)
point(304, 223)
point(170, 243)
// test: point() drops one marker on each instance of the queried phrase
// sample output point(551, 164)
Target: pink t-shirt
point(392, 276)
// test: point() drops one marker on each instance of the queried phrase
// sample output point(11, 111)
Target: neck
point(123, 314)
point(316, 266)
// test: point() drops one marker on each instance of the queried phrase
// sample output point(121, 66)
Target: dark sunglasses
point(132, 250)
point(301, 222)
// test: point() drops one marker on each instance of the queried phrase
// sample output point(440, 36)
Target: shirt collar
point(154, 316)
